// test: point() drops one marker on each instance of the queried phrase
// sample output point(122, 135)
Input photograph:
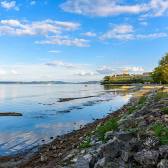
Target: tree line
point(160, 73)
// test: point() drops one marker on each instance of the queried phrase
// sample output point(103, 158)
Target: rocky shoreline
point(122, 139)
point(138, 138)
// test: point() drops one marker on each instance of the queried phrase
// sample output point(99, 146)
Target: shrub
point(164, 110)
point(86, 143)
point(142, 100)
point(160, 95)
point(107, 126)
point(161, 131)
point(131, 110)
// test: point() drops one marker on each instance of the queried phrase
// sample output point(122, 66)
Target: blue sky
point(79, 40)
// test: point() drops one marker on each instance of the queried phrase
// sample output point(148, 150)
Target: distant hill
point(48, 82)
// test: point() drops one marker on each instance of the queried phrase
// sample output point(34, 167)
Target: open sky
point(79, 40)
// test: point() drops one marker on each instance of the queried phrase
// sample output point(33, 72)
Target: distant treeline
point(159, 75)
point(127, 79)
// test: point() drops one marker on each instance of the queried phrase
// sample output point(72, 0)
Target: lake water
point(45, 117)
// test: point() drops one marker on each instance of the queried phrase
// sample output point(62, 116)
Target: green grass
point(140, 104)
point(161, 131)
point(161, 95)
point(142, 100)
point(86, 143)
point(164, 110)
point(110, 125)
point(131, 110)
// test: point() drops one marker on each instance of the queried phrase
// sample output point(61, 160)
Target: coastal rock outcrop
point(137, 142)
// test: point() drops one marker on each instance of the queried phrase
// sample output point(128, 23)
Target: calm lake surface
point(45, 117)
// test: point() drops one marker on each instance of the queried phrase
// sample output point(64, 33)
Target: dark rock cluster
point(132, 145)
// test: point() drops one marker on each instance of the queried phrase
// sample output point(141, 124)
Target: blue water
point(45, 117)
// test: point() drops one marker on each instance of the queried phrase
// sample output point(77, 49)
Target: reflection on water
point(45, 117)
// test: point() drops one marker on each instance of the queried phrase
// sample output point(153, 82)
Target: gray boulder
point(111, 149)
point(151, 142)
point(121, 135)
point(100, 163)
point(109, 135)
point(82, 163)
point(147, 157)
point(125, 155)
point(163, 151)
point(163, 164)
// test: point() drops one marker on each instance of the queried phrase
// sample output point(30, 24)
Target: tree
point(160, 73)
point(164, 60)
point(107, 78)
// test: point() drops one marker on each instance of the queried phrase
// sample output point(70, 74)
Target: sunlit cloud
point(85, 73)
point(65, 40)
point(45, 27)
point(101, 8)
point(8, 5)
point(55, 51)
point(90, 34)
point(32, 2)
point(115, 7)
point(105, 70)
point(127, 32)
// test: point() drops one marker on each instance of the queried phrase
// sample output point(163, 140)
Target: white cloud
point(152, 35)
point(62, 64)
point(101, 7)
point(22, 28)
point(55, 51)
point(14, 72)
point(122, 29)
point(144, 23)
point(60, 70)
point(159, 7)
point(8, 5)
point(12, 23)
point(67, 25)
point(115, 7)
point(32, 2)
point(6, 72)
point(52, 30)
point(134, 69)
point(89, 34)
point(2, 72)
point(126, 32)
point(105, 70)
point(119, 32)
point(85, 73)
point(65, 40)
